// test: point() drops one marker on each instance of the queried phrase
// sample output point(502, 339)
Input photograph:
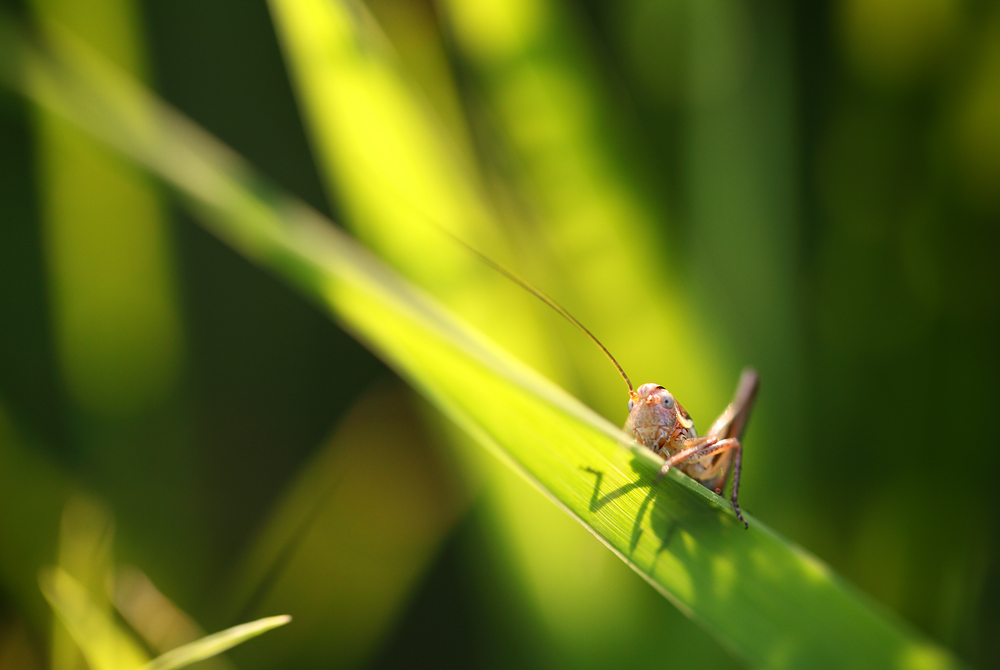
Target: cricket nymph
point(658, 422)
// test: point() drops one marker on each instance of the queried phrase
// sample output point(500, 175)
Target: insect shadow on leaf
point(645, 478)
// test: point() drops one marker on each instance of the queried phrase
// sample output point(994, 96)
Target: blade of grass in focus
point(767, 600)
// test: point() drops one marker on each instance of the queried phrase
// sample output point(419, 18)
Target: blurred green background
point(814, 190)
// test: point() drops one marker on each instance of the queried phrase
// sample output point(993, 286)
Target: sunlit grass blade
point(375, 137)
point(766, 599)
point(214, 644)
point(104, 644)
point(395, 170)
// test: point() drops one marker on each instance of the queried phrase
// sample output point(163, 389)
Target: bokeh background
point(811, 189)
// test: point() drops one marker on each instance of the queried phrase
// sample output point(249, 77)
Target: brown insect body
point(657, 421)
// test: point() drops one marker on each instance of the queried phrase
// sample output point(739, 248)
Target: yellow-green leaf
point(104, 644)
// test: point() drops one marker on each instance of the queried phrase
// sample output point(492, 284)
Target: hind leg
point(733, 421)
point(708, 447)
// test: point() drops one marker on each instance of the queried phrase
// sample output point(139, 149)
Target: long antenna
point(547, 300)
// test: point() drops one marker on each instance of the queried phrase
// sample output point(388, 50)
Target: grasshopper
point(658, 422)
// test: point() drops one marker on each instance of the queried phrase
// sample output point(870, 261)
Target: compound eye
point(631, 404)
point(668, 401)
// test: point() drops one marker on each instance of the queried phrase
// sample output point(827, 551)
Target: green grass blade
point(104, 644)
point(396, 171)
point(214, 644)
point(107, 255)
point(766, 599)
point(86, 540)
point(107, 646)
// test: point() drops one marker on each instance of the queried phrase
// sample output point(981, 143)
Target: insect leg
point(718, 470)
point(733, 421)
point(737, 464)
point(708, 447)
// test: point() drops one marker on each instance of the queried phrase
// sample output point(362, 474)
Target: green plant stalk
point(767, 600)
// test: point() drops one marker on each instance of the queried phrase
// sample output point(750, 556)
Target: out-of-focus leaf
point(17, 651)
point(114, 314)
point(155, 618)
point(346, 545)
point(579, 163)
point(103, 643)
point(106, 646)
point(32, 490)
point(394, 168)
point(214, 644)
point(765, 598)
point(107, 251)
point(86, 538)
